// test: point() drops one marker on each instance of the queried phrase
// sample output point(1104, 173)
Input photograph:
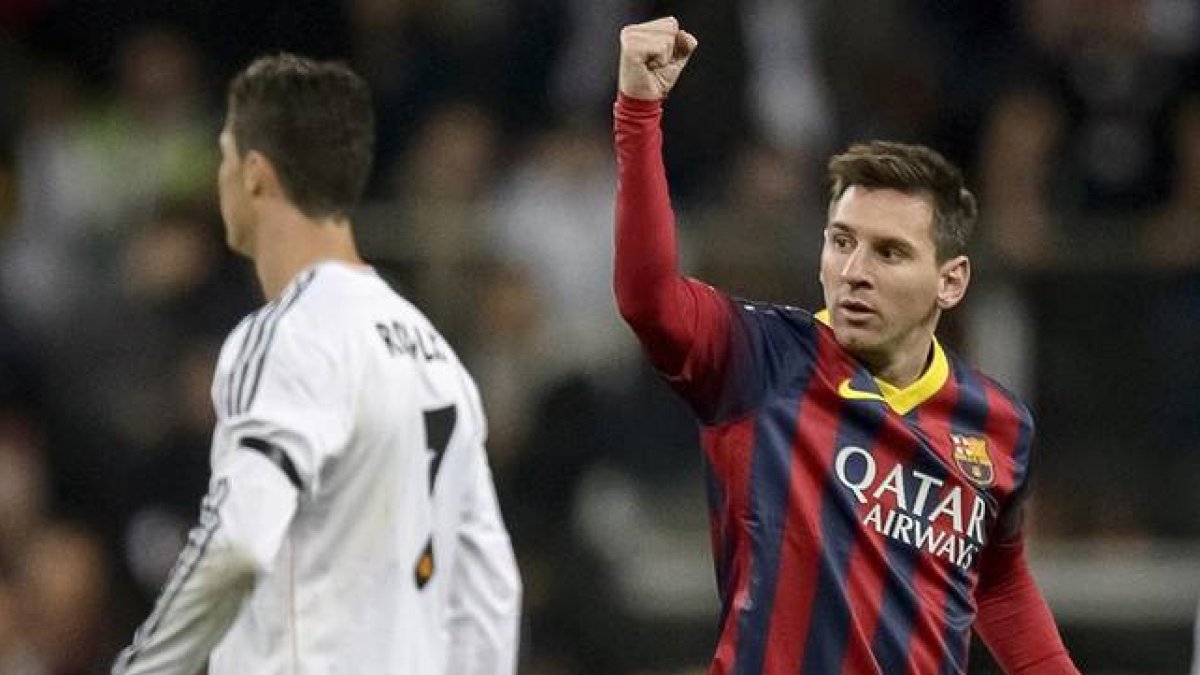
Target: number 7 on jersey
point(439, 427)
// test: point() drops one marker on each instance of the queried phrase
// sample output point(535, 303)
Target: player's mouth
point(855, 311)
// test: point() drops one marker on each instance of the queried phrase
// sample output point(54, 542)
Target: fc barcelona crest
point(971, 456)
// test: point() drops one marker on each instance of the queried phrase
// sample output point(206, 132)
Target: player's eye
point(893, 254)
point(841, 242)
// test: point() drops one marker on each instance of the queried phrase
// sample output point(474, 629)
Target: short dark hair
point(912, 169)
point(314, 121)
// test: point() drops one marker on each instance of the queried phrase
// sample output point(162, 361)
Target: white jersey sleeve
point(215, 571)
point(485, 588)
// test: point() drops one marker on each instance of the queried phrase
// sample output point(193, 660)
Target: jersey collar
point(902, 400)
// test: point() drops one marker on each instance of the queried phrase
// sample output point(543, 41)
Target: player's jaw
point(231, 196)
point(876, 333)
point(881, 321)
point(236, 232)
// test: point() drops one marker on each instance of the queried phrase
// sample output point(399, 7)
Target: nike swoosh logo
point(852, 394)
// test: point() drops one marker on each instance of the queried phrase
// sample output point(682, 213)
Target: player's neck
point(905, 364)
point(290, 243)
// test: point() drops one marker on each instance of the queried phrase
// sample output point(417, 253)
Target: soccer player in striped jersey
point(351, 524)
point(865, 485)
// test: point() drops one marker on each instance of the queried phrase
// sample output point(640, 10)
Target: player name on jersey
point(919, 519)
point(410, 340)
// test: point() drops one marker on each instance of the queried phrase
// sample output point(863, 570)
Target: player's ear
point(954, 277)
point(258, 175)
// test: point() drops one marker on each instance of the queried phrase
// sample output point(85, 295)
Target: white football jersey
point(351, 524)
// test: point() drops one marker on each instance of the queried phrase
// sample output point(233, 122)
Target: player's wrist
point(633, 104)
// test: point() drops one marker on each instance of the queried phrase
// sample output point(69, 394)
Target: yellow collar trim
point(903, 399)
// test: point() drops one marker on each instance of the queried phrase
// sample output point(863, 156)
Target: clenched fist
point(652, 56)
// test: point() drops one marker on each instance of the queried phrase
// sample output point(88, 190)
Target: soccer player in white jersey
point(351, 524)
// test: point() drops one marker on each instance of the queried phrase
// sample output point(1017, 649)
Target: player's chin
point(857, 338)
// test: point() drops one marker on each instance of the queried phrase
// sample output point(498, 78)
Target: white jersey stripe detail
point(255, 324)
point(256, 343)
point(187, 562)
point(261, 358)
point(240, 372)
point(262, 321)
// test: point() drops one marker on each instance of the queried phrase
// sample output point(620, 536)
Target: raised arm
point(668, 313)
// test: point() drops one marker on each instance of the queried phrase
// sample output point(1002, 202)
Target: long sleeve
point(242, 524)
point(668, 312)
point(692, 333)
point(1013, 619)
point(485, 594)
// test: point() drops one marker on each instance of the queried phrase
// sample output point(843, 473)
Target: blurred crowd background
point(1078, 122)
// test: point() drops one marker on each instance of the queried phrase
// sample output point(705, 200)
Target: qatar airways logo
point(926, 514)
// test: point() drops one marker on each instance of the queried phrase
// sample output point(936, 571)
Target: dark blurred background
point(1078, 122)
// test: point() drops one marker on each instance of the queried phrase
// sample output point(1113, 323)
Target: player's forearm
point(199, 602)
point(485, 592)
point(484, 629)
point(651, 294)
point(243, 520)
point(1013, 618)
point(485, 639)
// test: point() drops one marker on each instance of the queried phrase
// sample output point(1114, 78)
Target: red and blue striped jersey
point(857, 528)
point(846, 532)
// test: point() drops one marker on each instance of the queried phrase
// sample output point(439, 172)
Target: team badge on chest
point(971, 456)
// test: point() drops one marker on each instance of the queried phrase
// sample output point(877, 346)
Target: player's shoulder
point(774, 313)
point(768, 308)
point(301, 304)
point(780, 327)
point(322, 289)
point(313, 304)
point(260, 329)
point(330, 297)
point(1012, 401)
point(1004, 402)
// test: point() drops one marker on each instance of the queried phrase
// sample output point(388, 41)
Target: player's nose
point(854, 269)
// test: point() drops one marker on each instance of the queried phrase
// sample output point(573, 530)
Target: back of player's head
point(314, 121)
point(912, 169)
